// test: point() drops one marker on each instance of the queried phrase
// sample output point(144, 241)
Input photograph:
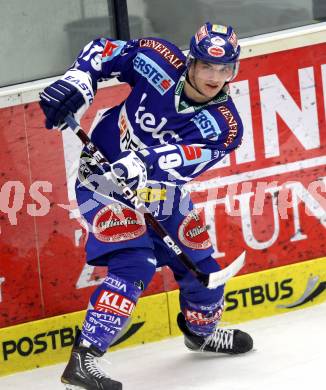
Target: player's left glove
point(131, 169)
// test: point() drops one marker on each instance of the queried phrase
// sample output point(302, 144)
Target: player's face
point(210, 78)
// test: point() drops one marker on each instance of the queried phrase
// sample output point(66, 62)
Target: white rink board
point(289, 354)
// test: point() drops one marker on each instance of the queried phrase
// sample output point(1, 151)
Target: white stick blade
point(219, 278)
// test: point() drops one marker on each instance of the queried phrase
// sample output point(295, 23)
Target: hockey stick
point(211, 280)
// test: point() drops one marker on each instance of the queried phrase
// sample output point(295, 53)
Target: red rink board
point(42, 259)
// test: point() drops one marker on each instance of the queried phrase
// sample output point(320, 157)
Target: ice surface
point(289, 353)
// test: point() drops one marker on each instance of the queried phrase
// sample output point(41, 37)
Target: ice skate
point(83, 371)
point(231, 341)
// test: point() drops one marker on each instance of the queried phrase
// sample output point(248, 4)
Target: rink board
point(48, 341)
point(265, 293)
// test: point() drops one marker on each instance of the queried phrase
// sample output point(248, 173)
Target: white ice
point(289, 353)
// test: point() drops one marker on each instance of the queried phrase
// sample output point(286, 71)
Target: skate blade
point(73, 387)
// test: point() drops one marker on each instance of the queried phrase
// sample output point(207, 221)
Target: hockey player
point(178, 121)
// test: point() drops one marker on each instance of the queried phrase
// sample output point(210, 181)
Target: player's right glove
point(71, 94)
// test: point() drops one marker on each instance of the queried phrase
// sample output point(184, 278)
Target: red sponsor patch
point(109, 49)
point(117, 222)
point(193, 231)
point(198, 318)
point(216, 51)
point(232, 123)
point(191, 152)
point(166, 84)
point(112, 302)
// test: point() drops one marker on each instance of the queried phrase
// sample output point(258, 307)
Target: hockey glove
point(131, 169)
point(70, 94)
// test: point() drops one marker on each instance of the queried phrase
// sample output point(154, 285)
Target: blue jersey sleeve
point(104, 58)
point(180, 163)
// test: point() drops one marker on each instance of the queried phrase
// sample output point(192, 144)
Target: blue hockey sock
point(110, 308)
point(202, 319)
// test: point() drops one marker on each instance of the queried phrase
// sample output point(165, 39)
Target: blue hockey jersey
point(178, 139)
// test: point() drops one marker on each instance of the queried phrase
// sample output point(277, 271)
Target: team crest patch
point(117, 222)
point(192, 231)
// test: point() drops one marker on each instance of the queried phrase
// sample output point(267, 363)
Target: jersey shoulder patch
point(232, 120)
point(207, 123)
point(166, 50)
point(153, 72)
point(112, 49)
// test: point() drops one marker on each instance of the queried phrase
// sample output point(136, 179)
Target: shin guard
point(110, 308)
point(202, 319)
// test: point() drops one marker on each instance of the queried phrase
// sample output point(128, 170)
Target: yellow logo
point(219, 28)
point(151, 194)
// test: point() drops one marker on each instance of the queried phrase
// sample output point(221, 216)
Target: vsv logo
point(156, 76)
point(207, 125)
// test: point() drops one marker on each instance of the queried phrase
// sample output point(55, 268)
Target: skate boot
point(83, 371)
point(231, 341)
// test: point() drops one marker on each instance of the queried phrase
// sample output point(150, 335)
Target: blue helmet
point(217, 44)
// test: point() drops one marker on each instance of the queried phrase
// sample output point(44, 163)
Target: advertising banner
point(49, 341)
point(247, 297)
